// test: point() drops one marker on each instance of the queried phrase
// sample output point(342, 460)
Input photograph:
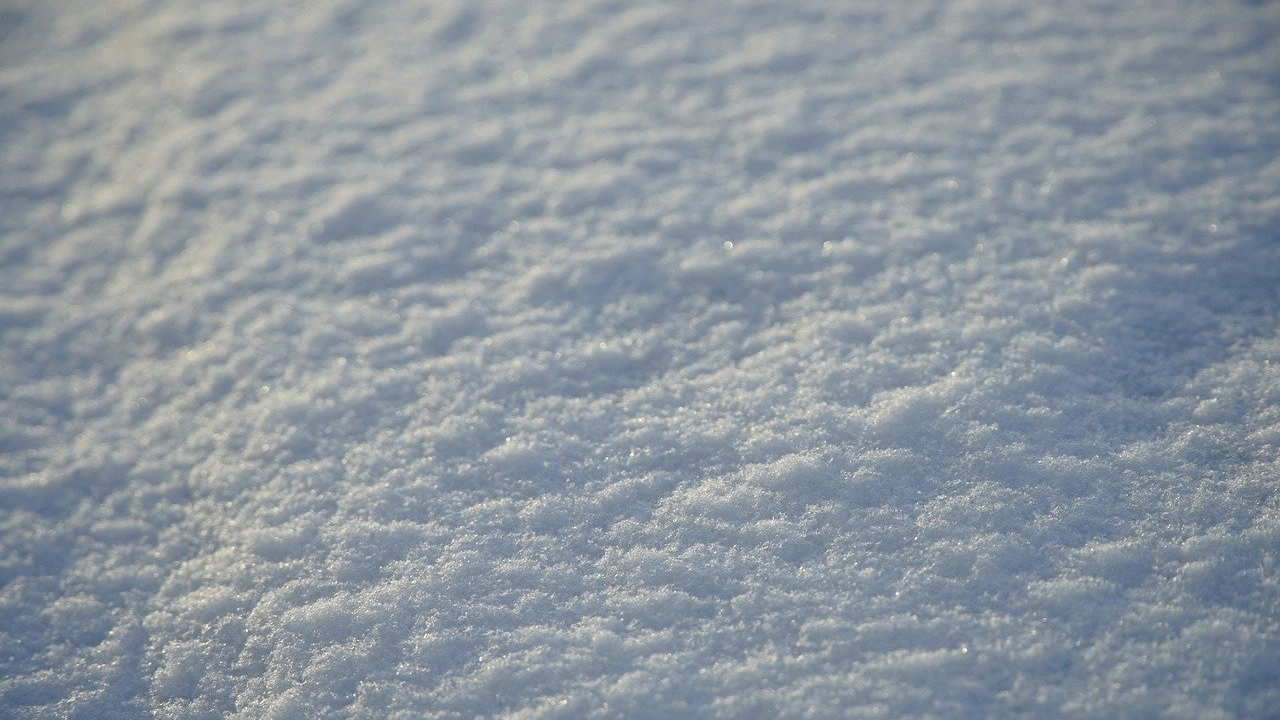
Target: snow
point(590, 359)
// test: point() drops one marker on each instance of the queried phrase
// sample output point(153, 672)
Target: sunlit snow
point(595, 359)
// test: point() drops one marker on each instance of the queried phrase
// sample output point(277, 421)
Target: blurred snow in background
point(594, 359)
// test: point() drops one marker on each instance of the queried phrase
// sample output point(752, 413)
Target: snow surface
point(590, 358)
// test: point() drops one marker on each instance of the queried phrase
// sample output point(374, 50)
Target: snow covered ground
point(595, 359)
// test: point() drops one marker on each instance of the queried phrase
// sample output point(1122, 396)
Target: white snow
point(592, 359)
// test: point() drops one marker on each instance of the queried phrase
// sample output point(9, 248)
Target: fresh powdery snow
point(658, 359)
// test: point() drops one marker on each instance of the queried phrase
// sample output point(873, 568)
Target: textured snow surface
point(588, 358)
